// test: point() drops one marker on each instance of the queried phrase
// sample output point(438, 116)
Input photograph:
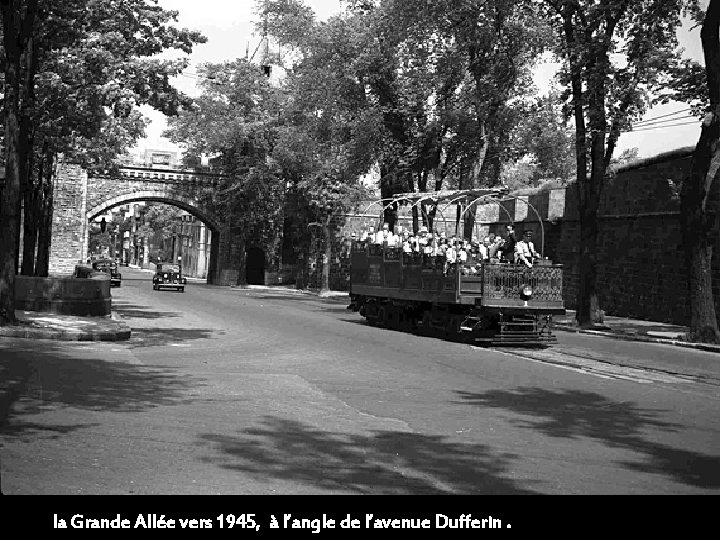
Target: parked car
point(168, 276)
point(109, 267)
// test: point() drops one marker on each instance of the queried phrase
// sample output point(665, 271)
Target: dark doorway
point(255, 266)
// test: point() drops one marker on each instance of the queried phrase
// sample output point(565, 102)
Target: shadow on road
point(573, 413)
point(386, 462)
point(127, 310)
point(161, 336)
point(36, 381)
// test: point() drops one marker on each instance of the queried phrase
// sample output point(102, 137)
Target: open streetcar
point(475, 299)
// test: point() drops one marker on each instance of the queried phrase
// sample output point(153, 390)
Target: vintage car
point(109, 267)
point(168, 276)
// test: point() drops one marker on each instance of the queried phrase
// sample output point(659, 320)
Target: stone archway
point(199, 259)
point(79, 197)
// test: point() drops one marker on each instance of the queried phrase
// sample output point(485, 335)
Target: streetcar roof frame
point(437, 197)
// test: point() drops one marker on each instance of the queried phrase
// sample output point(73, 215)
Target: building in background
point(190, 245)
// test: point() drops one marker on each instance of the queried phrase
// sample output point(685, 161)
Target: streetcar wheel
point(426, 329)
point(380, 319)
point(452, 329)
point(405, 323)
point(394, 316)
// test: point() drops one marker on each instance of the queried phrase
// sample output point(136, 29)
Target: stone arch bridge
point(80, 196)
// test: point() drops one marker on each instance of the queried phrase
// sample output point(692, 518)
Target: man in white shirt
point(368, 236)
point(383, 234)
point(525, 250)
point(484, 249)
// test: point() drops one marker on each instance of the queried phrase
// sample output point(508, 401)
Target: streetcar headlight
point(527, 291)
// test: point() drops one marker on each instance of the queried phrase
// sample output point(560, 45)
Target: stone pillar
point(68, 245)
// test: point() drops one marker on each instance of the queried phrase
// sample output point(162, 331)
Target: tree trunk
point(587, 300)
point(42, 265)
point(242, 262)
point(30, 231)
point(415, 220)
point(18, 26)
point(325, 275)
point(9, 215)
point(701, 224)
point(469, 223)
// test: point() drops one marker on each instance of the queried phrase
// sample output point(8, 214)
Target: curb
point(122, 333)
point(64, 335)
point(646, 339)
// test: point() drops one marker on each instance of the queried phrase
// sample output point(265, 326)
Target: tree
point(74, 76)
point(427, 80)
point(605, 97)
point(543, 136)
point(18, 25)
point(700, 214)
point(235, 120)
point(626, 156)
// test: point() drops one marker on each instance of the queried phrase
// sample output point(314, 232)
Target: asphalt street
point(236, 391)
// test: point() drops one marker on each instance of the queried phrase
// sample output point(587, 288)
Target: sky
point(229, 27)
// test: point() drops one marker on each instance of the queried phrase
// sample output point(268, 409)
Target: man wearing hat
point(406, 242)
point(423, 238)
point(525, 250)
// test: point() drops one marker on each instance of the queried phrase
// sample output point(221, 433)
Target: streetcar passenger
point(422, 239)
point(368, 236)
point(450, 256)
point(382, 235)
point(406, 242)
point(508, 246)
point(442, 247)
point(495, 251)
point(462, 252)
point(484, 249)
point(525, 250)
point(426, 239)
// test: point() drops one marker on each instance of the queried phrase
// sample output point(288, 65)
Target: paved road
point(224, 391)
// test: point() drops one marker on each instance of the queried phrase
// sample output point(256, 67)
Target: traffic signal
point(103, 225)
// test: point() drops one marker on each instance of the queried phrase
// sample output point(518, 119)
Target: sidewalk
point(634, 330)
point(41, 325)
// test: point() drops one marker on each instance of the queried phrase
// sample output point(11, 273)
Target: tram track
point(586, 362)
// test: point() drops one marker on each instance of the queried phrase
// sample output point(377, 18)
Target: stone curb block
point(122, 333)
point(60, 335)
point(645, 339)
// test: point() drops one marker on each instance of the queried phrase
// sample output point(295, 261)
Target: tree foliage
point(75, 74)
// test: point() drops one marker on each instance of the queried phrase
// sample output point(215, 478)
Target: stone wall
point(69, 224)
point(68, 296)
point(642, 271)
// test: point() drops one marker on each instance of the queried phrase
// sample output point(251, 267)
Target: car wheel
point(155, 287)
point(182, 289)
